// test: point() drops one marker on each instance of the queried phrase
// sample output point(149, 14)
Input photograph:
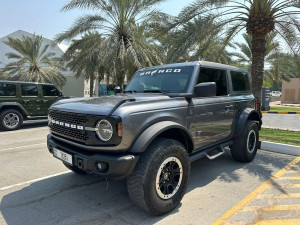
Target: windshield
point(164, 80)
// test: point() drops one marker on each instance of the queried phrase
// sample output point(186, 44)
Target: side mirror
point(206, 89)
point(60, 94)
point(117, 90)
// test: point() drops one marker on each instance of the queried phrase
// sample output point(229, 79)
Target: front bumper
point(118, 165)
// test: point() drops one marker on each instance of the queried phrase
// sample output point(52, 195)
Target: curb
point(281, 128)
point(280, 148)
point(288, 105)
point(276, 112)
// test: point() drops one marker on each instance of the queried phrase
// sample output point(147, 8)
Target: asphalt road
point(282, 121)
point(36, 188)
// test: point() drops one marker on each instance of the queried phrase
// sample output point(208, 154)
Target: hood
point(104, 106)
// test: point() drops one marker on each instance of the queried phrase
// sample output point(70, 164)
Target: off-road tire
point(6, 112)
point(75, 169)
point(141, 183)
point(240, 147)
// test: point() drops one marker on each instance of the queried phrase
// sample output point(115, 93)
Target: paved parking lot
point(35, 188)
point(277, 201)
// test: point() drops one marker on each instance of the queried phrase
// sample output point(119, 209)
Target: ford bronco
point(167, 117)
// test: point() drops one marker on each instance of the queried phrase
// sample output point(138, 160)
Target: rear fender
point(247, 114)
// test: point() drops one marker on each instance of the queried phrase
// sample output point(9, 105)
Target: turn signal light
point(256, 104)
point(119, 129)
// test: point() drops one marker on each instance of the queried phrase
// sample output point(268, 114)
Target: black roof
point(201, 63)
point(22, 82)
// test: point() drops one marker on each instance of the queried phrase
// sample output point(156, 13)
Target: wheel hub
point(11, 120)
point(251, 141)
point(168, 178)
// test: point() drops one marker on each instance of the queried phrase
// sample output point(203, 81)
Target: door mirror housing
point(206, 89)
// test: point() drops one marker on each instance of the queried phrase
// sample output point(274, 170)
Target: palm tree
point(32, 62)
point(84, 58)
point(2, 74)
point(189, 41)
point(244, 56)
point(259, 18)
point(118, 22)
point(283, 67)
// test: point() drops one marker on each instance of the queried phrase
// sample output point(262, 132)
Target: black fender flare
point(247, 114)
point(15, 105)
point(152, 132)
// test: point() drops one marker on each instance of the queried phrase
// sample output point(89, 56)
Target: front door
point(49, 95)
point(212, 116)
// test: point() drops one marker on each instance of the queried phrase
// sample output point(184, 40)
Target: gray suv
point(168, 117)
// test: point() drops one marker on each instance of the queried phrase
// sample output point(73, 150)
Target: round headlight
point(104, 130)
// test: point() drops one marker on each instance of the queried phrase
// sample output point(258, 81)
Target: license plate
point(63, 156)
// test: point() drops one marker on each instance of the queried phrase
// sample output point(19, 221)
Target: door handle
point(228, 106)
point(25, 101)
point(44, 101)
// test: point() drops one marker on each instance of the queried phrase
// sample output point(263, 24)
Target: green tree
point(283, 67)
point(84, 58)
point(196, 39)
point(259, 18)
point(2, 74)
point(32, 62)
point(118, 22)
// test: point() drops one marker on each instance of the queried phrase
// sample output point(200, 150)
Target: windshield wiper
point(154, 91)
point(130, 91)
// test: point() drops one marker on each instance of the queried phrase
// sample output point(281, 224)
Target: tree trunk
point(258, 59)
point(91, 85)
point(120, 78)
point(107, 78)
point(97, 84)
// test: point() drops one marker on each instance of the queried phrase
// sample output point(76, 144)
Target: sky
point(44, 17)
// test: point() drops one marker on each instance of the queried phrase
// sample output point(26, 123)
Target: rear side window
point(29, 90)
point(49, 90)
point(7, 90)
point(240, 81)
point(214, 75)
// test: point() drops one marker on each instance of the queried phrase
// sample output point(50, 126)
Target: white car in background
point(276, 93)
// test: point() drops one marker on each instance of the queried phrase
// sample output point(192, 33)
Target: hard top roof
point(22, 82)
point(201, 63)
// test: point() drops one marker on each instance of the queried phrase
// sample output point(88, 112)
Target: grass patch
point(284, 109)
point(280, 136)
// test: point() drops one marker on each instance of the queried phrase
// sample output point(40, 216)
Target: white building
point(73, 87)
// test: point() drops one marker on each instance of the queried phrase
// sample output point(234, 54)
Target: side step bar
point(220, 150)
point(36, 117)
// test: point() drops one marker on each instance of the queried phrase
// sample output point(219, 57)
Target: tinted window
point(7, 90)
point(240, 81)
point(170, 80)
point(214, 75)
point(49, 90)
point(29, 90)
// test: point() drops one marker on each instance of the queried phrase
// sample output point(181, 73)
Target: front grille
point(70, 118)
